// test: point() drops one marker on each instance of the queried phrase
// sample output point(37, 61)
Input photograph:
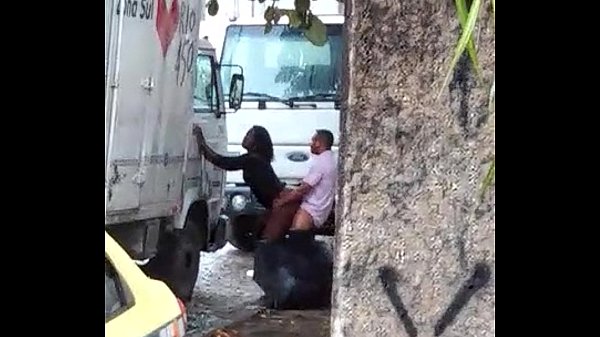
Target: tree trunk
point(415, 249)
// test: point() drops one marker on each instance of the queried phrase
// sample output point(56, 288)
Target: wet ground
point(310, 323)
point(226, 296)
point(224, 293)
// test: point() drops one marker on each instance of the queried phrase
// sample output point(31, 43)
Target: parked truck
point(162, 200)
point(292, 88)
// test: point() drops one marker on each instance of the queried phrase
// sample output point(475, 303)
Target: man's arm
point(294, 195)
point(311, 180)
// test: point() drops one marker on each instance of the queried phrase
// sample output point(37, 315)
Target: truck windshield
point(283, 64)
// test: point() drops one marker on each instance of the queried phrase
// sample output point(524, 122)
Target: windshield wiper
point(268, 97)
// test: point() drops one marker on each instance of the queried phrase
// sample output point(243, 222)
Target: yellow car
point(135, 305)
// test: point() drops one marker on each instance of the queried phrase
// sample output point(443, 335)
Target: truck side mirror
point(236, 91)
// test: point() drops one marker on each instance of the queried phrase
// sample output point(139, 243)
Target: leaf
point(489, 178)
point(268, 27)
point(461, 9)
point(269, 14)
point(295, 18)
point(462, 41)
point(317, 32)
point(213, 7)
point(277, 16)
point(302, 5)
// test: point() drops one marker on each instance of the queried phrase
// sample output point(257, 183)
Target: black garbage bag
point(294, 273)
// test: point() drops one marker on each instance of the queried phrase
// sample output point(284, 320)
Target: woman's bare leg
point(280, 221)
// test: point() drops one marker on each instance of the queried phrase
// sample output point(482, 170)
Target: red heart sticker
point(166, 23)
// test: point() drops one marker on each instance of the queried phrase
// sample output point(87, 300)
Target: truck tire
point(178, 259)
point(242, 233)
point(185, 262)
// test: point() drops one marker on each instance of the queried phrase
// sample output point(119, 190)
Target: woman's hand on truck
point(197, 131)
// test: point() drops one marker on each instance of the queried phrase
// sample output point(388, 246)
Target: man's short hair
point(326, 136)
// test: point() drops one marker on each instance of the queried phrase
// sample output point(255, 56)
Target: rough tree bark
point(415, 251)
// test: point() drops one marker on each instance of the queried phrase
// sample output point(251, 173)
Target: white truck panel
point(290, 128)
point(153, 114)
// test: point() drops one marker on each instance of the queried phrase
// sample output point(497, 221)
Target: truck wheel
point(186, 262)
point(242, 233)
point(178, 260)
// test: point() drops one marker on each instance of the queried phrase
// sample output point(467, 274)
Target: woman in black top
point(258, 174)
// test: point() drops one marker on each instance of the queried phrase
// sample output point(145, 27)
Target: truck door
point(209, 114)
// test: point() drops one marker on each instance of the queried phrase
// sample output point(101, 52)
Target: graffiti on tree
point(389, 279)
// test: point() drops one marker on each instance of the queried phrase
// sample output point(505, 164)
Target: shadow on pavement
point(276, 323)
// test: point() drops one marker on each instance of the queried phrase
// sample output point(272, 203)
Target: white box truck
point(162, 200)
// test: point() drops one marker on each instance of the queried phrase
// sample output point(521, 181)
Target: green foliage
point(300, 17)
point(489, 178)
point(213, 7)
point(316, 32)
point(467, 20)
point(463, 41)
point(302, 6)
point(294, 17)
point(463, 13)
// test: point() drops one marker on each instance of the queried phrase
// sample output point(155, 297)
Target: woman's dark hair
point(263, 145)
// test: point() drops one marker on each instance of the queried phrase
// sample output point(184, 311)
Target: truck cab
point(291, 88)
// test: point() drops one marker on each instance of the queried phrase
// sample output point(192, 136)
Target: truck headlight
point(239, 202)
